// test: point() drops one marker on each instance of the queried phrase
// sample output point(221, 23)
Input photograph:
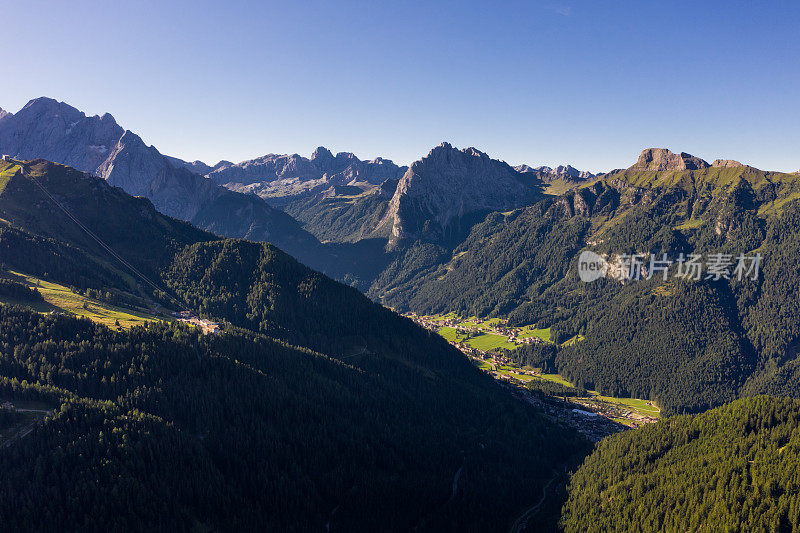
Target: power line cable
point(100, 241)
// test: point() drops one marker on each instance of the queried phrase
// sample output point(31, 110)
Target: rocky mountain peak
point(48, 129)
point(279, 178)
point(107, 117)
point(43, 102)
point(726, 163)
point(4, 113)
point(449, 184)
point(445, 154)
point(322, 156)
point(661, 159)
point(569, 170)
point(49, 107)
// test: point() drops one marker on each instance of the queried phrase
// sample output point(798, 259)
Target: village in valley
point(488, 343)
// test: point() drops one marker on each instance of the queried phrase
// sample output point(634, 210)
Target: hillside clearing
point(60, 299)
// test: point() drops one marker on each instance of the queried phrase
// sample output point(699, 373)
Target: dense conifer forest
point(734, 468)
point(162, 427)
point(314, 408)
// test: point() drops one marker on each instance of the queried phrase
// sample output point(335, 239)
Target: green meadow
point(60, 299)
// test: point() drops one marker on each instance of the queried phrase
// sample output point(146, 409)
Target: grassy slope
point(530, 331)
point(451, 334)
point(485, 342)
point(6, 171)
point(636, 405)
point(60, 299)
point(716, 182)
point(717, 178)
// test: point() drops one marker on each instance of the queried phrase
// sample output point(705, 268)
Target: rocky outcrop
point(440, 190)
point(588, 201)
point(387, 189)
point(661, 159)
point(52, 130)
point(270, 167)
point(4, 114)
point(726, 163)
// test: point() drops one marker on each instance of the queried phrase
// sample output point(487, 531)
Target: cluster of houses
point(207, 326)
point(495, 358)
point(499, 329)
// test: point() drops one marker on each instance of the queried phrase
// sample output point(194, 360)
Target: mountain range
point(279, 179)
point(436, 200)
point(52, 130)
point(461, 232)
point(357, 417)
point(354, 416)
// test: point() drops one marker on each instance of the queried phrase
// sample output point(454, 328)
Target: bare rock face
point(4, 114)
point(140, 170)
point(387, 189)
point(567, 174)
point(726, 163)
point(55, 131)
point(448, 184)
point(661, 159)
point(267, 168)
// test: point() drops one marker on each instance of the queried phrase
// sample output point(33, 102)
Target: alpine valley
point(303, 400)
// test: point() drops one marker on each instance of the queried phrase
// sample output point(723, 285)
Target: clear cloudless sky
point(589, 83)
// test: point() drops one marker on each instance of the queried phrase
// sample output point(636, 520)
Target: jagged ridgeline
point(56, 131)
point(315, 407)
point(734, 468)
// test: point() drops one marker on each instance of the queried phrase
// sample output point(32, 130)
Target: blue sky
point(588, 83)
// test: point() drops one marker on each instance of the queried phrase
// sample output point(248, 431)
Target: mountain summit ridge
point(661, 159)
point(279, 178)
point(449, 184)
